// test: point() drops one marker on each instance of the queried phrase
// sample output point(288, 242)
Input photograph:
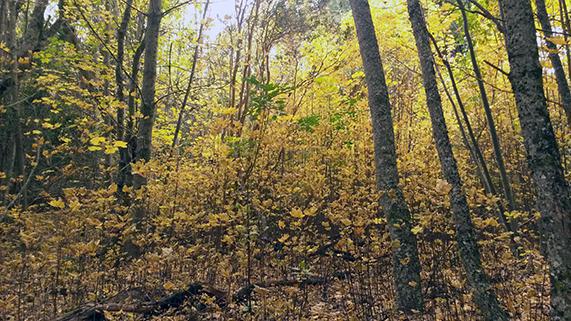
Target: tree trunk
point(484, 297)
point(120, 130)
point(553, 200)
point(406, 264)
point(145, 133)
point(504, 179)
point(560, 77)
point(192, 72)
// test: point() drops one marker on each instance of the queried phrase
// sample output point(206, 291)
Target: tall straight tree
point(120, 130)
point(145, 133)
point(484, 297)
point(504, 179)
point(406, 264)
point(553, 201)
point(562, 84)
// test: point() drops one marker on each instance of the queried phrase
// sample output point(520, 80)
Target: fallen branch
point(96, 311)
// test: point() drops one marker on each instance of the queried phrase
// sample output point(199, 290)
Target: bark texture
point(145, 133)
point(553, 200)
point(406, 264)
point(484, 297)
point(123, 153)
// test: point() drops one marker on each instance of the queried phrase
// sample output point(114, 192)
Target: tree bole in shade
point(406, 264)
point(145, 133)
point(553, 201)
point(484, 297)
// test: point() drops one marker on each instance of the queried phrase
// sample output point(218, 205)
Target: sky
point(216, 11)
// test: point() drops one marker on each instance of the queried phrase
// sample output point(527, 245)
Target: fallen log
point(191, 295)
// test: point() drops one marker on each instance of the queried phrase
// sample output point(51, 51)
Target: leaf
point(346, 221)
point(97, 140)
point(57, 203)
point(557, 40)
point(417, 229)
point(395, 244)
point(120, 144)
point(284, 238)
point(281, 224)
point(169, 286)
point(443, 187)
point(93, 148)
point(297, 213)
point(111, 150)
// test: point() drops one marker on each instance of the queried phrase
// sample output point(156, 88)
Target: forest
point(285, 160)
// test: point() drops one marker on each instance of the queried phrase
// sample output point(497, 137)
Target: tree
point(484, 297)
point(562, 84)
point(145, 133)
point(120, 128)
point(553, 201)
point(504, 179)
point(406, 264)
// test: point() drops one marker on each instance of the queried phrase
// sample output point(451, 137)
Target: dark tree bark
point(120, 130)
point(504, 179)
point(560, 77)
point(34, 31)
point(406, 264)
point(484, 297)
point(553, 201)
point(145, 133)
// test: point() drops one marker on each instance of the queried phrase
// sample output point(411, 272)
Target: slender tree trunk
point(120, 130)
point(488, 185)
point(192, 72)
point(406, 264)
point(553, 201)
point(484, 297)
point(564, 14)
point(465, 141)
point(504, 179)
point(18, 161)
point(121, 34)
point(476, 153)
point(145, 133)
point(560, 77)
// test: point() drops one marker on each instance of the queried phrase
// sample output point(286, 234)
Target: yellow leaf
point(111, 150)
point(281, 224)
point(24, 60)
point(169, 286)
point(297, 213)
point(417, 229)
point(93, 148)
point(557, 40)
point(443, 187)
point(120, 144)
point(395, 245)
point(346, 221)
point(97, 140)
point(312, 211)
point(57, 203)
point(284, 238)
